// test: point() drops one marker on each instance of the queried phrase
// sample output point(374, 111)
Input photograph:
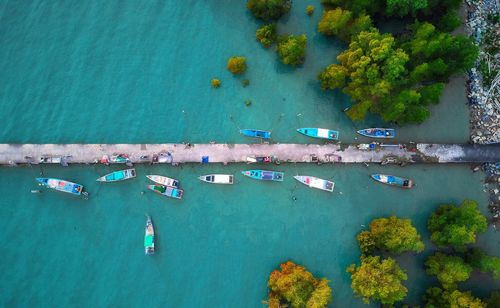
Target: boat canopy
point(148, 240)
point(323, 133)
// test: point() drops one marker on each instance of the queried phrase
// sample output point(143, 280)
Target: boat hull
point(167, 191)
point(149, 237)
point(393, 180)
point(378, 132)
point(117, 176)
point(314, 182)
point(255, 133)
point(320, 133)
point(264, 175)
point(225, 179)
point(163, 180)
point(61, 185)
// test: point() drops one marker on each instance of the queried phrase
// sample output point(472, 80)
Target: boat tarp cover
point(324, 133)
point(148, 241)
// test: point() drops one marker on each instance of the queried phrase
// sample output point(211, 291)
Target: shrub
point(237, 65)
point(448, 269)
point(292, 49)
point(266, 35)
point(215, 83)
point(269, 9)
point(309, 10)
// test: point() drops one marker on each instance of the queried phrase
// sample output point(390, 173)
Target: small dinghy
point(256, 133)
point(262, 159)
point(149, 237)
point(264, 175)
point(163, 180)
point(217, 178)
point(167, 191)
point(321, 133)
point(61, 185)
point(378, 132)
point(314, 182)
point(392, 180)
point(116, 176)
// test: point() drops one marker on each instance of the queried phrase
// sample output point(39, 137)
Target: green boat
point(149, 237)
point(118, 176)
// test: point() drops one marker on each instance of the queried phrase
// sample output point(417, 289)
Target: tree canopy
point(438, 298)
point(448, 269)
point(266, 35)
point(292, 49)
point(392, 234)
point(237, 65)
point(379, 280)
point(456, 226)
point(483, 262)
point(269, 9)
point(293, 285)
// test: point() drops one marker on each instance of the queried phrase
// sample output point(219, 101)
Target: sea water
point(137, 72)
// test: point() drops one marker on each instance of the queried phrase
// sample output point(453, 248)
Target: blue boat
point(118, 176)
point(378, 132)
point(61, 185)
point(167, 191)
point(392, 180)
point(321, 133)
point(264, 175)
point(256, 133)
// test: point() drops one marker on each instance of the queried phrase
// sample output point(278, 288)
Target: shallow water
point(91, 71)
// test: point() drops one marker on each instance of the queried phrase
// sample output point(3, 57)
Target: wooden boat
point(61, 185)
point(217, 178)
point(264, 175)
point(167, 191)
point(321, 133)
point(314, 182)
point(149, 237)
point(116, 176)
point(262, 159)
point(256, 133)
point(392, 180)
point(378, 132)
point(163, 180)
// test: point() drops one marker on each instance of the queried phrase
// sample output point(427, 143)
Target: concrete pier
point(14, 154)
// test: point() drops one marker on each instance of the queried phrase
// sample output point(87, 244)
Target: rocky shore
point(483, 89)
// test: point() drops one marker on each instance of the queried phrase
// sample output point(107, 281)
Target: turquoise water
point(94, 71)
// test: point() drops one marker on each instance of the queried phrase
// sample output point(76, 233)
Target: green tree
point(456, 226)
point(438, 298)
point(448, 269)
point(334, 76)
point(378, 280)
point(494, 300)
point(430, 94)
point(266, 35)
point(485, 263)
point(404, 7)
point(292, 49)
point(392, 234)
point(342, 24)
point(269, 9)
point(293, 285)
point(237, 65)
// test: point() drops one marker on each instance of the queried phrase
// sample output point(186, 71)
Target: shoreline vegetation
point(398, 76)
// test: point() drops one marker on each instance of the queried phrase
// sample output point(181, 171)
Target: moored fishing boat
point(321, 133)
point(217, 178)
point(314, 182)
point(264, 175)
point(378, 132)
point(149, 237)
point(256, 133)
point(116, 176)
point(163, 180)
point(167, 191)
point(61, 185)
point(392, 180)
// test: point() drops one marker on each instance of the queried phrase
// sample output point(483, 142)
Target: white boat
point(315, 182)
point(217, 178)
point(163, 180)
point(149, 237)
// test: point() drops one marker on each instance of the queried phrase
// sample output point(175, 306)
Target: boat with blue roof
point(117, 176)
point(264, 175)
point(255, 133)
point(392, 180)
point(321, 133)
point(378, 132)
point(61, 185)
